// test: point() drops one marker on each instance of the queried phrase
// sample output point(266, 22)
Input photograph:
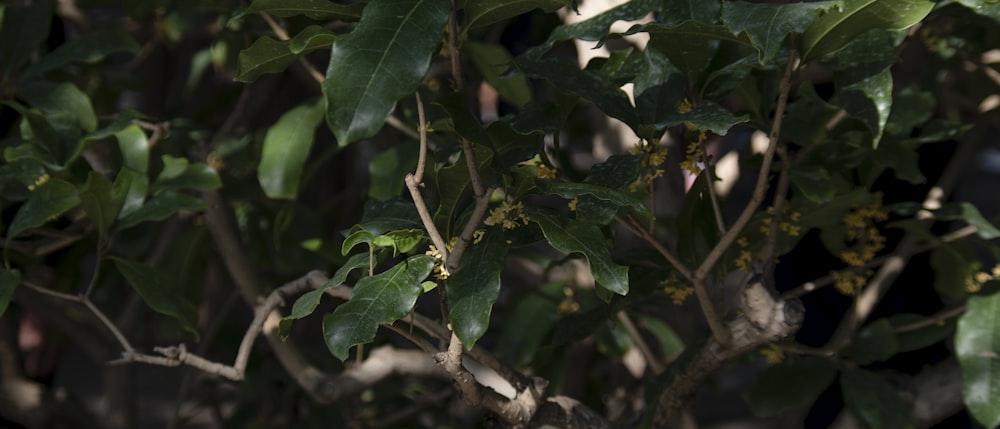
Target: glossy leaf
point(312, 9)
point(49, 200)
point(383, 298)
point(834, 29)
point(311, 38)
point(383, 60)
point(595, 28)
point(306, 304)
point(480, 13)
point(969, 214)
point(767, 24)
point(177, 173)
point(873, 401)
point(676, 12)
point(160, 207)
point(98, 200)
point(864, 82)
point(90, 47)
point(789, 385)
point(474, 288)
point(707, 116)
point(573, 189)
point(286, 147)
point(876, 342)
point(390, 215)
point(157, 292)
point(8, 282)
point(25, 26)
point(690, 45)
point(134, 147)
point(659, 88)
point(267, 55)
point(587, 240)
point(977, 346)
point(617, 172)
point(60, 100)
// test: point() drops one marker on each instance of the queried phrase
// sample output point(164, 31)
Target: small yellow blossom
point(743, 241)
point(572, 203)
point(694, 156)
point(849, 282)
point(685, 106)
point(743, 262)
point(440, 272)
point(773, 354)
point(477, 236)
point(508, 216)
point(39, 181)
point(546, 172)
point(568, 303)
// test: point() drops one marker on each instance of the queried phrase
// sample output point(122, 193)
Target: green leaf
point(355, 238)
point(690, 45)
point(920, 338)
point(61, 100)
point(319, 10)
point(130, 189)
point(873, 401)
point(455, 187)
point(8, 282)
point(807, 117)
point(525, 329)
point(383, 60)
point(977, 346)
point(876, 342)
point(380, 299)
point(587, 240)
point(493, 61)
point(134, 146)
point(789, 385)
point(813, 181)
point(25, 26)
point(98, 199)
point(162, 206)
point(676, 12)
point(380, 217)
point(474, 288)
point(769, 24)
point(834, 29)
point(659, 87)
point(311, 38)
point(968, 213)
point(864, 82)
point(89, 48)
point(616, 173)
point(286, 147)
point(987, 8)
point(593, 29)
point(387, 170)
point(179, 174)
point(574, 189)
point(155, 290)
point(707, 116)
point(480, 13)
point(306, 304)
point(49, 200)
point(953, 264)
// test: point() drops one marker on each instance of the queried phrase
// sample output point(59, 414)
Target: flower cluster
point(772, 353)
point(789, 225)
point(39, 182)
point(743, 260)
point(440, 271)
point(677, 292)
point(654, 155)
point(508, 216)
point(849, 282)
point(974, 283)
point(568, 303)
point(694, 156)
point(861, 229)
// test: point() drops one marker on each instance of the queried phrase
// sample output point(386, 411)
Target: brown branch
point(633, 225)
point(414, 181)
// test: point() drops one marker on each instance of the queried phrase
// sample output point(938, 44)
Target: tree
point(468, 223)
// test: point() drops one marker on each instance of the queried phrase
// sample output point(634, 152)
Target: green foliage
point(474, 288)
point(156, 291)
point(286, 148)
point(977, 344)
point(873, 400)
point(789, 385)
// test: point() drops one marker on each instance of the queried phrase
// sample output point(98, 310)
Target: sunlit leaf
point(286, 147)
point(834, 29)
point(383, 60)
point(380, 299)
point(474, 288)
point(585, 239)
point(48, 200)
point(873, 401)
point(977, 345)
point(8, 282)
point(789, 385)
point(157, 292)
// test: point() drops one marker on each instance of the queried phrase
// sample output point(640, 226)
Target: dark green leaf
point(768, 24)
point(306, 304)
point(902, 159)
point(355, 238)
point(988, 8)
point(98, 199)
point(910, 109)
point(162, 206)
point(690, 45)
point(807, 117)
point(319, 10)
point(873, 401)
point(49, 200)
point(789, 385)
point(178, 174)
point(286, 147)
point(8, 282)
point(920, 338)
point(480, 13)
point(25, 171)
point(707, 116)
point(383, 60)
point(388, 170)
point(595, 28)
point(969, 214)
point(659, 88)
point(455, 187)
point(383, 298)
point(813, 181)
point(130, 189)
point(25, 26)
point(528, 325)
point(474, 288)
point(381, 217)
point(977, 345)
point(864, 82)
point(697, 232)
point(876, 342)
point(61, 100)
point(834, 29)
point(676, 12)
point(585, 239)
point(953, 264)
point(156, 291)
point(572, 190)
point(89, 48)
point(311, 38)
point(493, 61)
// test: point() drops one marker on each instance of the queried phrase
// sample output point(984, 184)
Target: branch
point(633, 225)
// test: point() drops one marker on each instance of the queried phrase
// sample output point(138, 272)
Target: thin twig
point(769, 251)
point(90, 306)
point(466, 238)
point(633, 225)
point(413, 182)
point(932, 320)
point(654, 363)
